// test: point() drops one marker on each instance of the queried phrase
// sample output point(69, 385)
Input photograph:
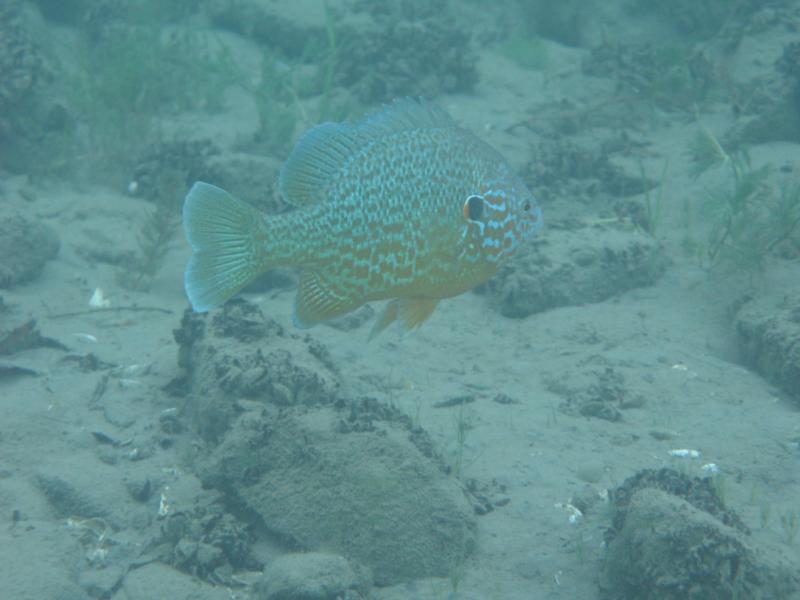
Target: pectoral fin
point(411, 312)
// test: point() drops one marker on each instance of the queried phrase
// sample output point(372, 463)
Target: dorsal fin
point(327, 148)
point(404, 114)
point(319, 154)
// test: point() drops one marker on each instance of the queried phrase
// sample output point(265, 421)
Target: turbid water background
point(653, 323)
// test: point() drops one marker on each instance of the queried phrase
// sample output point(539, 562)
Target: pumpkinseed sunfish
point(403, 205)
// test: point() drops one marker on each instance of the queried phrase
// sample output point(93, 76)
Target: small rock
point(185, 552)
point(101, 582)
point(311, 576)
point(670, 550)
point(25, 247)
point(558, 271)
point(140, 489)
point(768, 334)
point(140, 585)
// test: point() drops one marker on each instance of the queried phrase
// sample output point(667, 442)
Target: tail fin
point(224, 235)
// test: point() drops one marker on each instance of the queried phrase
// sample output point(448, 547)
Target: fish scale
point(403, 205)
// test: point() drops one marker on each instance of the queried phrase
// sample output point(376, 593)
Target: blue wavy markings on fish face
point(502, 215)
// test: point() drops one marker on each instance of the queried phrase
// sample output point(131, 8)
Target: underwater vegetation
point(653, 202)
point(287, 79)
point(157, 232)
point(670, 75)
point(132, 76)
point(274, 97)
point(749, 215)
point(790, 525)
point(88, 109)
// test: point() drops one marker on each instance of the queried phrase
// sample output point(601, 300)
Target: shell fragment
point(99, 300)
point(684, 453)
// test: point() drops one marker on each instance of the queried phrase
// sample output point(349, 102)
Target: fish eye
point(473, 208)
point(526, 207)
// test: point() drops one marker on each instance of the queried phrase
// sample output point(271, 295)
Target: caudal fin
point(222, 232)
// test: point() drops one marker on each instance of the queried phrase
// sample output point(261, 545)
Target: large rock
point(307, 576)
point(768, 335)
point(237, 354)
point(366, 492)
point(571, 267)
point(322, 471)
point(665, 545)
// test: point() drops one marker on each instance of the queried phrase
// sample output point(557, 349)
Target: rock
point(25, 247)
point(251, 178)
point(20, 60)
point(768, 336)
point(667, 549)
point(700, 493)
point(384, 51)
point(206, 543)
point(309, 576)
point(370, 495)
point(288, 26)
point(320, 470)
point(225, 364)
point(414, 48)
point(571, 267)
point(140, 585)
point(101, 582)
point(33, 120)
point(592, 393)
point(165, 166)
point(68, 500)
point(562, 169)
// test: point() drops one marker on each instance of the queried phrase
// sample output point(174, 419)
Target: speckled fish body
point(403, 205)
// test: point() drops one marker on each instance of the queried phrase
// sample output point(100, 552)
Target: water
point(622, 387)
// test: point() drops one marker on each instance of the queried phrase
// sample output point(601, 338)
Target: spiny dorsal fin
point(326, 149)
point(319, 154)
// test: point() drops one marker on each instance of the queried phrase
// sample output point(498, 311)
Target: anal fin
point(411, 312)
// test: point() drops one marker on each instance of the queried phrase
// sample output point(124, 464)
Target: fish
point(402, 205)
